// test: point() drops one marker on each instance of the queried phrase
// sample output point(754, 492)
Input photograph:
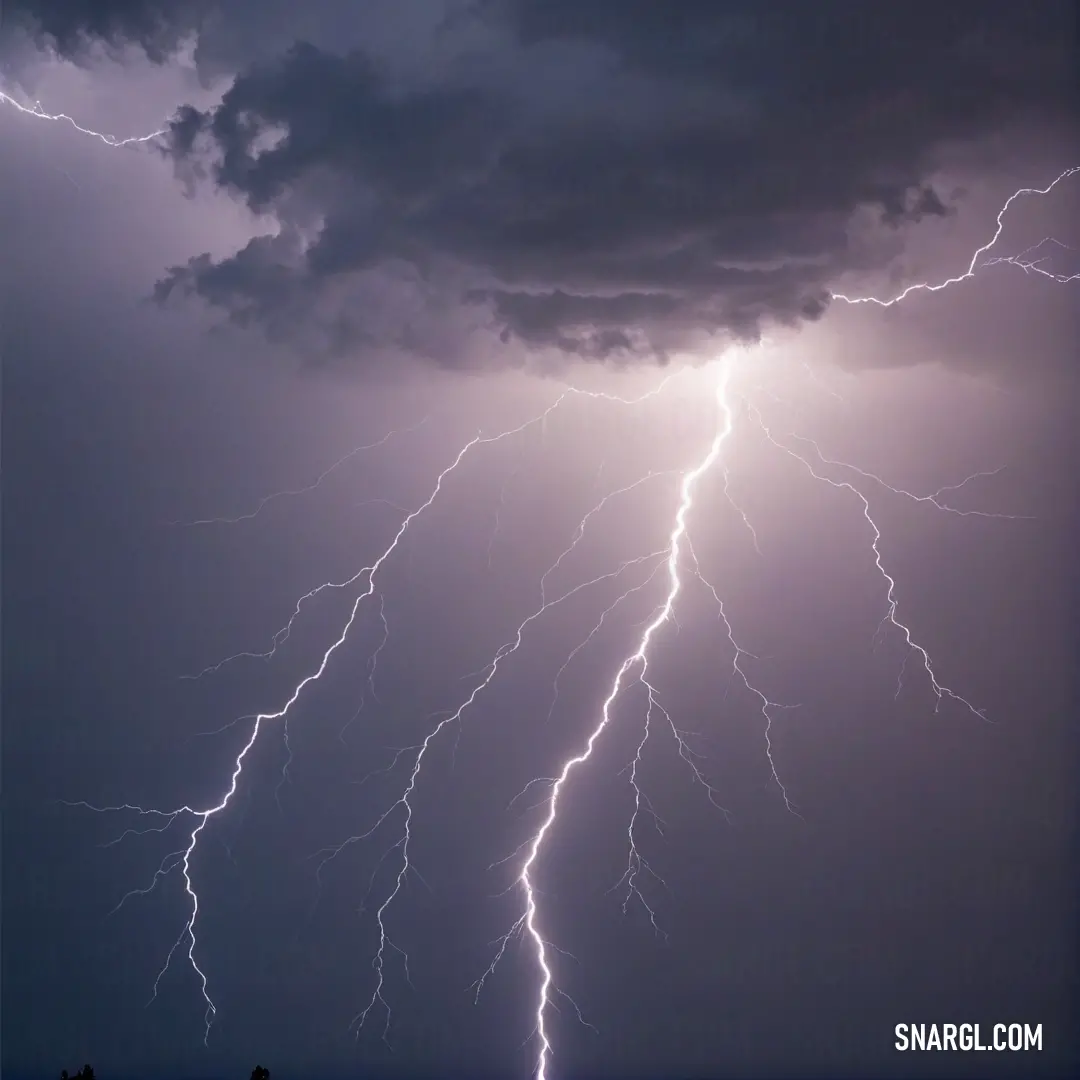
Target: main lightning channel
point(638, 657)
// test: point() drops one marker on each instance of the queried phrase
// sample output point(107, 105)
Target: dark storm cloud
point(71, 26)
point(609, 178)
point(531, 316)
point(913, 206)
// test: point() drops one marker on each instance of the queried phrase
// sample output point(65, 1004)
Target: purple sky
point(447, 212)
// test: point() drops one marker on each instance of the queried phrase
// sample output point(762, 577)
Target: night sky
point(400, 223)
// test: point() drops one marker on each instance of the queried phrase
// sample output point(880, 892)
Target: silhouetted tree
point(85, 1073)
point(258, 1073)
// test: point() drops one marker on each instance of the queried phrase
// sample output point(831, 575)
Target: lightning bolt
point(39, 113)
point(1030, 265)
point(940, 689)
point(973, 265)
point(639, 659)
point(676, 560)
point(182, 859)
point(506, 650)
